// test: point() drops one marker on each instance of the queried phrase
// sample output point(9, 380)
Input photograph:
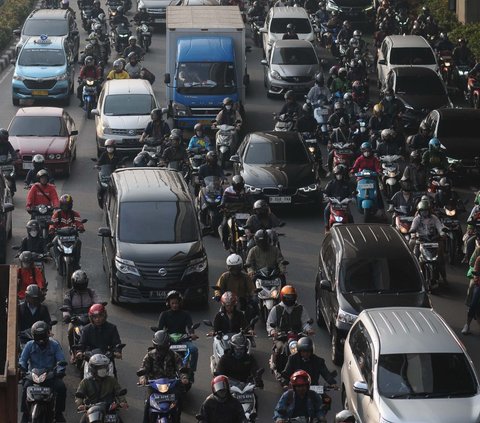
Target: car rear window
point(38, 126)
point(276, 152)
point(279, 25)
point(128, 104)
point(458, 127)
point(419, 85)
point(412, 56)
point(426, 375)
point(50, 27)
point(294, 56)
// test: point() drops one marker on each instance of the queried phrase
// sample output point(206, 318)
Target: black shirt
point(35, 245)
point(178, 321)
point(27, 319)
point(101, 337)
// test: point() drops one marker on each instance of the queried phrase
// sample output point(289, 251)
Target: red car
point(49, 131)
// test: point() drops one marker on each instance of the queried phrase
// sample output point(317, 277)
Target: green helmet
point(423, 205)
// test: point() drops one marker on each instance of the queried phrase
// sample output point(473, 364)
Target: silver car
point(292, 65)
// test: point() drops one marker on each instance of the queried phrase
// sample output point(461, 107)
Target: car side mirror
point(8, 207)
point(141, 372)
point(166, 78)
point(361, 387)
point(13, 61)
point(74, 132)
point(154, 328)
point(264, 62)
point(104, 232)
point(235, 158)
point(17, 32)
point(326, 285)
point(382, 62)
point(95, 112)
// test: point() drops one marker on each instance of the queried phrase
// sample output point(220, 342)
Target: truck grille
point(171, 272)
point(45, 84)
point(204, 111)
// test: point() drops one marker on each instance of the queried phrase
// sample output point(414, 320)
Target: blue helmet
point(365, 146)
point(434, 144)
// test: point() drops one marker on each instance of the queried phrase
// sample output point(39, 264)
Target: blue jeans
point(194, 355)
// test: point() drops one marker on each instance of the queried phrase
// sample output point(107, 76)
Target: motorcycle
point(86, 15)
point(339, 211)
point(403, 219)
point(367, 193)
point(102, 412)
point(436, 174)
point(285, 122)
point(78, 321)
point(89, 94)
point(196, 158)
point(391, 174)
point(244, 392)
point(42, 214)
point(112, 370)
point(268, 284)
point(144, 35)
point(256, 25)
point(313, 147)
point(8, 170)
point(238, 237)
point(103, 182)
point(428, 259)
point(225, 140)
point(152, 151)
point(321, 112)
point(448, 216)
point(445, 61)
point(343, 153)
point(208, 200)
point(120, 35)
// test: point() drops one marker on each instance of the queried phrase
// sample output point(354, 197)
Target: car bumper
point(411, 119)
point(278, 87)
point(123, 144)
point(60, 91)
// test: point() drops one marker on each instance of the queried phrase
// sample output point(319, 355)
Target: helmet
point(443, 36)
point(345, 416)
point(319, 78)
point(40, 331)
point(239, 344)
point(423, 205)
point(101, 16)
point(425, 10)
point(66, 202)
point(227, 100)
point(462, 41)
point(307, 108)
point(290, 27)
point(172, 295)
point(161, 340)
point(220, 383)
point(97, 310)
point(260, 205)
point(387, 134)
point(342, 72)
point(3, 134)
point(211, 157)
point(261, 239)
point(99, 363)
point(33, 291)
point(415, 156)
point(38, 159)
point(444, 184)
point(305, 344)
point(354, 42)
point(174, 137)
point(357, 33)
point(365, 146)
point(434, 144)
point(228, 298)
point(41, 173)
point(334, 70)
point(96, 2)
point(338, 105)
point(177, 131)
point(289, 95)
point(109, 143)
point(378, 108)
point(118, 64)
point(132, 55)
point(234, 260)
point(347, 97)
point(340, 170)
point(32, 225)
point(89, 61)
point(356, 85)
point(92, 38)
point(156, 114)
point(132, 38)
point(300, 378)
point(65, 4)
point(120, 10)
point(198, 127)
point(288, 295)
point(346, 24)
point(26, 257)
point(79, 280)
point(238, 183)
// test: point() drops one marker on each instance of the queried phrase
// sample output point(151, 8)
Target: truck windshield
point(206, 78)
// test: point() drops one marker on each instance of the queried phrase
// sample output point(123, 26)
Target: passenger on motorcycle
point(210, 167)
point(44, 352)
point(392, 106)
point(305, 359)
point(443, 43)
point(33, 242)
point(319, 92)
point(221, 406)
point(78, 299)
point(176, 320)
point(475, 210)
point(38, 162)
point(424, 14)
point(42, 192)
point(340, 83)
point(338, 114)
point(291, 106)
point(403, 198)
point(306, 122)
point(340, 135)
point(322, 15)
point(133, 67)
point(416, 172)
point(389, 144)
point(118, 71)
point(229, 115)
point(339, 187)
point(256, 11)
point(299, 401)
point(99, 388)
point(65, 5)
point(32, 310)
point(344, 35)
point(199, 140)
point(419, 140)
point(263, 254)
point(7, 149)
point(133, 47)
point(462, 55)
point(434, 156)
point(157, 128)
point(175, 152)
point(290, 34)
point(28, 274)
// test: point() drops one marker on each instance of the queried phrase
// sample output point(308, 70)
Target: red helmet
point(228, 298)
point(220, 382)
point(300, 378)
point(97, 309)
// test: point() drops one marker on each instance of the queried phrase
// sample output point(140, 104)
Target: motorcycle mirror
point(62, 363)
point(64, 308)
point(310, 321)
point(208, 323)
point(121, 346)
point(216, 288)
point(84, 220)
point(257, 290)
point(16, 247)
point(261, 371)
point(154, 328)
point(254, 320)
point(93, 159)
point(282, 224)
point(141, 372)
point(198, 417)
point(195, 326)
point(272, 325)
point(53, 322)
point(122, 392)
point(104, 303)
point(285, 262)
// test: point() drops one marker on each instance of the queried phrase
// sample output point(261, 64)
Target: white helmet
point(38, 158)
point(234, 260)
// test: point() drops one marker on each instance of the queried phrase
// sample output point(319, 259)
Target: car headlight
point(62, 77)
point(107, 130)
point(345, 317)
point(180, 109)
point(18, 77)
point(275, 75)
point(141, 5)
point(453, 161)
point(51, 156)
point(252, 189)
point(126, 266)
point(196, 266)
point(309, 188)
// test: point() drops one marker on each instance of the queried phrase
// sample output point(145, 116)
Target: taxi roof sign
point(43, 39)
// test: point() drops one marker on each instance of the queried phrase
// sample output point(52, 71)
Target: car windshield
point(38, 126)
point(412, 56)
point(380, 275)
point(42, 57)
point(157, 222)
point(279, 25)
point(458, 127)
point(426, 375)
point(294, 56)
point(419, 85)
point(128, 104)
point(206, 78)
point(276, 152)
point(50, 27)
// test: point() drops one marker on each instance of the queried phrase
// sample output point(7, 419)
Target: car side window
point(361, 346)
point(328, 257)
point(112, 210)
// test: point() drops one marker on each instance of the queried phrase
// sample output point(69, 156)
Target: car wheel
point(113, 290)
point(337, 353)
point(15, 101)
point(318, 312)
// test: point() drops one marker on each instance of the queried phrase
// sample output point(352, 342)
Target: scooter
point(144, 35)
point(448, 216)
point(8, 170)
point(428, 259)
point(343, 154)
point(256, 24)
point(78, 321)
point(339, 211)
point(445, 61)
point(244, 392)
point(86, 14)
point(120, 36)
point(285, 122)
point(89, 94)
point(224, 140)
point(103, 412)
point(238, 237)
point(208, 200)
point(391, 174)
point(367, 193)
point(268, 285)
point(103, 182)
point(403, 219)
point(112, 370)
point(151, 152)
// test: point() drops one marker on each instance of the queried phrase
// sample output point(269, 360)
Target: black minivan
point(360, 267)
point(152, 243)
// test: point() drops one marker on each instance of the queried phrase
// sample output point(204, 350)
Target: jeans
point(472, 310)
point(193, 354)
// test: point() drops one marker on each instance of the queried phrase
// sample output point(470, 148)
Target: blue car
point(44, 70)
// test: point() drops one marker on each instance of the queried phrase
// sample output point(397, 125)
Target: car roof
point(410, 330)
point(127, 86)
point(55, 42)
point(414, 71)
point(406, 41)
point(271, 136)
point(292, 44)
point(40, 111)
point(289, 12)
point(49, 14)
point(368, 240)
point(150, 184)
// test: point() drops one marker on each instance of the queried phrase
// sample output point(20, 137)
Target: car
point(49, 131)
point(457, 130)
point(44, 70)
point(292, 65)
point(405, 364)
point(404, 50)
point(277, 167)
point(123, 112)
point(6, 208)
point(54, 23)
point(276, 25)
point(198, 3)
point(358, 11)
point(157, 9)
point(420, 90)
point(359, 267)
point(152, 243)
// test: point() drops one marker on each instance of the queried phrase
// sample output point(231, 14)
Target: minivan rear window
point(157, 222)
point(279, 25)
point(412, 56)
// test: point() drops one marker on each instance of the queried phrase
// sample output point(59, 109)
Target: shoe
point(466, 329)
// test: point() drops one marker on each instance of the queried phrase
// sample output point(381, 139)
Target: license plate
point(158, 294)
point(269, 284)
point(178, 347)
point(27, 165)
point(110, 418)
point(280, 200)
point(42, 217)
point(129, 141)
point(366, 186)
point(164, 397)
point(243, 397)
point(242, 216)
point(40, 92)
point(160, 20)
point(45, 390)
point(317, 389)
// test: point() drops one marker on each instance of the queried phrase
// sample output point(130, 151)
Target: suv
point(152, 243)
point(54, 23)
point(359, 267)
point(405, 364)
point(6, 208)
point(157, 9)
point(357, 11)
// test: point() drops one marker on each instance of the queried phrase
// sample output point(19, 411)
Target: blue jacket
point(34, 357)
point(200, 142)
point(286, 404)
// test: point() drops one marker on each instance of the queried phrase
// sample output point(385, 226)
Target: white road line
point(10, 69)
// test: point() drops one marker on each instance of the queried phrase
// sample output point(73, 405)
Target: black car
point(152, 243)
point(421, 90)
point(359, 267)
point(277, 167)
point(361, 11)
point(6, 207)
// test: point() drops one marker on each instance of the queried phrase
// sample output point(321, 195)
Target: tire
point(337, 348)
point(68, 169)
point(318, 313)
point(366, 216)
point(88, 111)
point(264, 313)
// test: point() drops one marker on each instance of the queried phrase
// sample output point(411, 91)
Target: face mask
point(388, 98)
point(228, 107)
point(367, 153)
point(33, 233)
point(102, 372)
point(110, 150)
point(338, 177)
point(424, 213)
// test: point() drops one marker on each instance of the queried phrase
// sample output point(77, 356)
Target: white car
point(405, 364)
point(123, 112)
point(276, 25)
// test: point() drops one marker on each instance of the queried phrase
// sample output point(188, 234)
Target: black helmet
point(120, 10)
point(415, 156)
point(26, 257)
point(33, 291)
point(406, 184)
point(238, 183)
point(305, 344)
point(340, 170)
point(79, 280)
point(40, 331)
point(89, 61)
point(211, 157)
point(156, 114)
point(161, 340)
point(289, 95)
point(3, 135)
point(132, 55)
point(290, 27)
point(319, 79)
point(262, 239)
point(172, 295)
point(260, 205)
point(32, 225)
point(239, 344)
point(307, 108)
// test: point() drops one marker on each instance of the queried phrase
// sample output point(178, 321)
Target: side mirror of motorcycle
point(16, 247)
point(198, 417)
point(325, 285)
point(272, 325)
point(257, 290)
point(154, 328)
point(53, 323)
point(260, 372)
point(235, 158)
point(254, 320)
point(65, 308)
point(334, 373)
point(120, 346)
point(104, 303)
point(74, 32)
point(208, 323)
point(80, 395)
point(62, 363)
point(216, 288)
point(285, 262)
point(310, 321)
point(141, 372)
point(195, 326)
point(93, 159)
point(84, 220)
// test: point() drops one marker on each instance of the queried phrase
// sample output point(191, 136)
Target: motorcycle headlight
point(252, 189)
point(90, 82)
point(39, 378)
point(403, 230)
point(345, 317)
point(368, 8)
point(180, 109)
point(162, 387)
point(451, 212)
point(275, 75)
point(311, 149)
point(447, 64)
point(126, 266)
point(62, 77)
point(18, 77)
point(338, 218)
point(392, 174)
point(196, 266)
point(309, 188)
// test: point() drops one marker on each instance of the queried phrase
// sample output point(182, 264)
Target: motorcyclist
point(175, 152)
point(97, 9)
point(199, 141)
point(291, 106)
point(176, 320)
point(210, 167)
point(339, 187)
point(120, 18)
point(78, 299)
point(133, 47)
point(161, 362)
point(306, 122)
point(305, 359)
point(357, 71)
point(434, 156)
point(32, 310)
point(263, 218)
point(340, 83)
point(419, 140)
point(322, 15)
point(389, 144)
point(100, 387)
point(403, 200)
point(28, 274)
point(110, 156)
point(118, 71)
point(341, 135)
point(157, 128)
point(299, 401)
point(290, 34)
point(6, 149)
point(256, 11)
point(352, 109)
point(462, 55)
point(424, 14)
point(142, 16)
point(44, 353)
point(229, 115)
point(33, 242)
point(392, 106)
point(378, 120)
point(229, 319)
point(319, 92)
point(263, 254)
point(416, 172)
point(473, 298)
point(133, 67)
point(443, 43)
point(221, 406)
point(65, 5)
point(345, 33)
point(38, 162)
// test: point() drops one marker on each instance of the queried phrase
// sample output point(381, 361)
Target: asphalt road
point(304, 234)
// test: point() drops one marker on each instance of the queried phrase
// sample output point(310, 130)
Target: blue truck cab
point(44, 70)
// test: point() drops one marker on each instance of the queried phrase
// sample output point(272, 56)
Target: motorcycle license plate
point(280, 200)
point(27, 165)
point(67, 238)
point(243, 397)
point(317, 389)
point(40, 92)
point(39, 390)
point(164, 397)
point(110, 418)
point(270, 284)
point(178, 347)
point(242, 216)
point(42, 217)
point(366, 186)
point(158, 294)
